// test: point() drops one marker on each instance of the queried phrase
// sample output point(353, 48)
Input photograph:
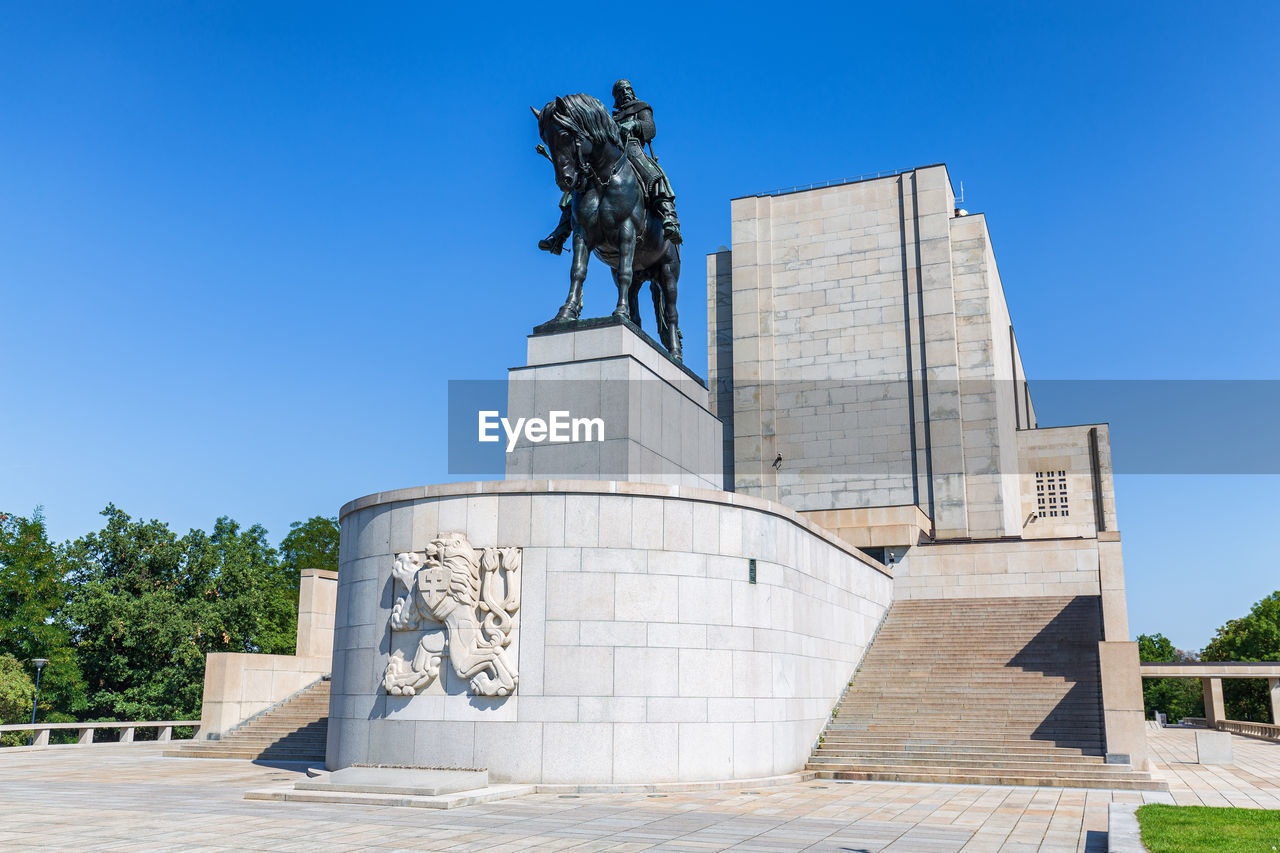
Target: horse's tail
point(660, 310)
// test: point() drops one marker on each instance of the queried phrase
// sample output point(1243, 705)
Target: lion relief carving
point(475, 594)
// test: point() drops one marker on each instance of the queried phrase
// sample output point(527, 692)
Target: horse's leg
point(668, 276)
point(577, 275)
point(633, 295)
point(626, 261)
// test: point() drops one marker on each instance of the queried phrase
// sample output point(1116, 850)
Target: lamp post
point(39, 662)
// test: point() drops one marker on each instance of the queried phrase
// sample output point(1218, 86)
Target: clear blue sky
point(244, 245)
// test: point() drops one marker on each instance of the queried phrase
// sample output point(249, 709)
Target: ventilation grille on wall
point(1051, 494)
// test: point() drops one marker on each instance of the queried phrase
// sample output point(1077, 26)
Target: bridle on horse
point(584, 165)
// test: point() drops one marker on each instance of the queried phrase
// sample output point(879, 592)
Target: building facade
point(864, 362)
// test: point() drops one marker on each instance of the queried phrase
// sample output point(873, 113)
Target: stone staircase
point(295, 730)
point(1000, 691)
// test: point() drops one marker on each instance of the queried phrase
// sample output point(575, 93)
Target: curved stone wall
point(645, 652)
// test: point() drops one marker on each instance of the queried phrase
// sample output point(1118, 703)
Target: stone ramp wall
point(238, 685)
point(645, 652)
point(999, 568)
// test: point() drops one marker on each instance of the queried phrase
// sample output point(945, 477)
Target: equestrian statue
point(617, 202)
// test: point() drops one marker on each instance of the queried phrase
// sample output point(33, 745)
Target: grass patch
point(1201, 829)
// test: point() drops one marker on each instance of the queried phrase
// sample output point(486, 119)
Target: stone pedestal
point(627, 410)
point(1213, 748)
point(317, 600)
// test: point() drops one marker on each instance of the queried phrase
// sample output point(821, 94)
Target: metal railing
point(836, 182)
point(86, 730)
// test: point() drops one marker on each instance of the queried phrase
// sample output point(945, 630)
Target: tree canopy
point(1174, 697)
point(1255, 637)
point(311, 544)
point(16, 693)
point(126, 614)
point(33, 593)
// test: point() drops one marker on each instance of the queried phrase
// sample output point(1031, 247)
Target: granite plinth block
point(629, 410)
point(1213, 748)
point(413, 781)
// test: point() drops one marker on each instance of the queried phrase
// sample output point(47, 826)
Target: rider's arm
point(644, 128)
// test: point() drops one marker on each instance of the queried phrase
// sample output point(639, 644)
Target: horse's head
point(566, 151)
point(576, 128)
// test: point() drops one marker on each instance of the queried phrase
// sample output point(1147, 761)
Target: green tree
point(249, 602)
point(16, 692)
point(33, 590)
point(131, 616)
point(1255, 637)
point(146, 606)
point(1174, 697)
point(311, 544)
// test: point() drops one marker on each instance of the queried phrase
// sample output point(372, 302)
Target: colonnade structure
point(1211, 674)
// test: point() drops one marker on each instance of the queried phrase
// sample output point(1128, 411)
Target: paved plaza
point(129, 797)
point(1252, 782)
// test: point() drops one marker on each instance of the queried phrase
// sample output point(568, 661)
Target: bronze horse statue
point(609, 214)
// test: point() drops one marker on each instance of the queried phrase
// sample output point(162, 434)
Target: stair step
point(949, 743)
point(991, 691)
point(968, 763)
point(1129, 782)
point(250, 754)
point(946, 752)
point(297, 730)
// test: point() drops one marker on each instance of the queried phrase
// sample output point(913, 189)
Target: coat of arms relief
point(464, 600)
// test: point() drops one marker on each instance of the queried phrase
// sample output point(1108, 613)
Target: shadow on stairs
point(997, 691)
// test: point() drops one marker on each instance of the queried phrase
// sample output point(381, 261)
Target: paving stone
point(130, 797)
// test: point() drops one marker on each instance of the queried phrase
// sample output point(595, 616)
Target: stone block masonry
point(654, 413)
point(860, 336)
point(645, 653)
point(861, 332)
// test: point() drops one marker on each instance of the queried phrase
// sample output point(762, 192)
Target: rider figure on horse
point(635, 121)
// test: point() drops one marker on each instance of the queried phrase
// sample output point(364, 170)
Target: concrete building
point(859, 333)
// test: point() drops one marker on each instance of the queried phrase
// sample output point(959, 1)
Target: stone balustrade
point(1260, 730)
point(1266, 731)
point(86, 730)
